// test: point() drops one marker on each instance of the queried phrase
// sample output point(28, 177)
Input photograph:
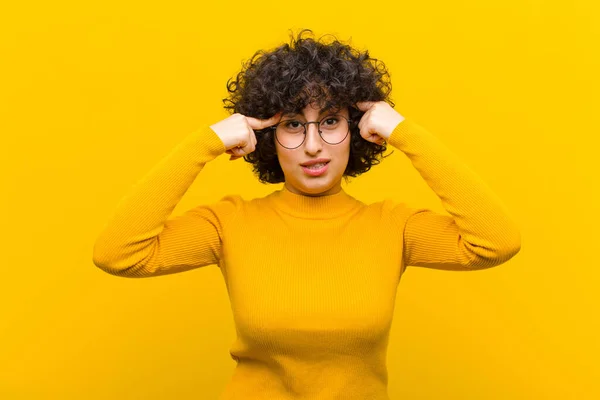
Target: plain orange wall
point(93, 95)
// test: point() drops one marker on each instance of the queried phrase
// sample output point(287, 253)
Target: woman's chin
point(314, 187)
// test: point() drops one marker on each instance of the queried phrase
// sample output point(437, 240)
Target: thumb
point(258, 124)
point(237, 151)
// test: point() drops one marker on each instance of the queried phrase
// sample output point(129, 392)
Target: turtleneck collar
point(314, 207)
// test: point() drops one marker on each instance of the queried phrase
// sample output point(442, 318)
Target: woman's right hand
point(237, 133)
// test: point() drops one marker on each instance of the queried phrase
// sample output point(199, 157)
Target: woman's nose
point(312, 133)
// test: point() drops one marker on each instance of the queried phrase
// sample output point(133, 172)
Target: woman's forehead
point(324, 110)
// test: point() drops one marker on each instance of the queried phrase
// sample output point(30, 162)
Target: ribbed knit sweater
point(312, 280)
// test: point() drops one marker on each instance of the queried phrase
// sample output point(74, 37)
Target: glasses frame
point(304, 125)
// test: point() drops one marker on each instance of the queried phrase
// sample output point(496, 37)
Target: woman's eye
point(293, 124)
point(331, 121)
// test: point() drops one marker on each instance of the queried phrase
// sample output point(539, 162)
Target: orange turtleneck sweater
point(312, 280)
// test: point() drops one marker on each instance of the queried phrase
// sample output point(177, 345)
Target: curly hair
point(306, 71)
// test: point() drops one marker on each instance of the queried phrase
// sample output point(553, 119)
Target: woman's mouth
point(316, 169)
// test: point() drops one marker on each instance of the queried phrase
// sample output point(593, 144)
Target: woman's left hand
point(378, 122)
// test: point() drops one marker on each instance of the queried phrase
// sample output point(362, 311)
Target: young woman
point(311, 271)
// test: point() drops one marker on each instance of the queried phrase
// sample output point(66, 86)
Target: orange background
point(92, 95)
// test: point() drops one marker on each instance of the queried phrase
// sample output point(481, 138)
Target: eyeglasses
point(291, 133)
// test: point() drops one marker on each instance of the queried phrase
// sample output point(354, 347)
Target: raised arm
point(478, 231)
point(139, 241)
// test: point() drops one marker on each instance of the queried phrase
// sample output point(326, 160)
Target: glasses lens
point(290, 133)
point(334, 129)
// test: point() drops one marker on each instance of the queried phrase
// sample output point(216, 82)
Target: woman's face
point(297, 180)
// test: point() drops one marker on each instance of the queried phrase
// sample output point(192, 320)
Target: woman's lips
point(316, 172)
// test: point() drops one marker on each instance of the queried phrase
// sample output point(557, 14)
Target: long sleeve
point(139, 241)
point(477, 234)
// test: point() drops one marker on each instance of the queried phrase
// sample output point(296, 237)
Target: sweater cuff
point(403, 130)
point(207, 141)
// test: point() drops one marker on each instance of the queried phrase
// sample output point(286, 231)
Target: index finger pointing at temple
point(256, 123)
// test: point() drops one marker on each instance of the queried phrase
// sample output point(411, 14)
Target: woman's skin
point(376, 125)
point(299, 182)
